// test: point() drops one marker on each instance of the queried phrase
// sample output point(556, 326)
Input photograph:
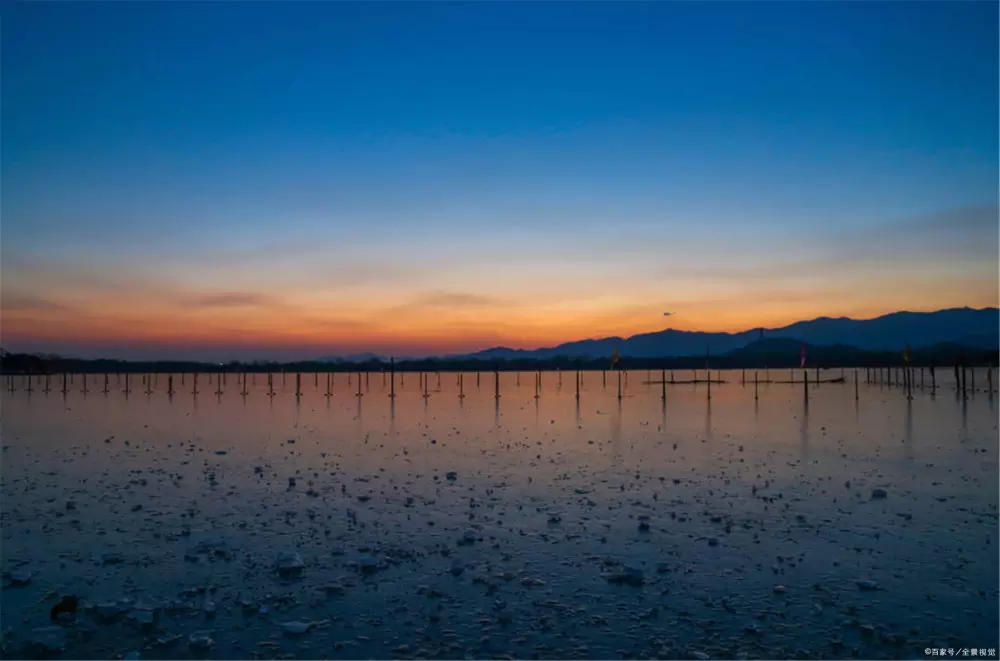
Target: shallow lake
point(791, 524)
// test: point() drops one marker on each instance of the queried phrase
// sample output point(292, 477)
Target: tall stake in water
point(496, 385)
point(663, 384)
point(392, 377)
point(855, 384)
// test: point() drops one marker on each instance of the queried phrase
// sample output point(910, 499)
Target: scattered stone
point(296, 628)
point(627, 576)
point(457, 567)
point(112, 559)
point(644, 526)
point(713, 541)
point(367, 564)
point(879, 493)
point(19, 579)
point(780, 589)
point(867, 585)
point(290, 564)
point(451, 475)
point(66, 607)
point(200, 642)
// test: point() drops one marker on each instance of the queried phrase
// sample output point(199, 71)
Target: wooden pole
point(755, 384)
point(619, 385)
point(663, 384)
point(298, 384)
point(496, 382)
point(709, 374)
point(743, 376)
point(933, 380)
point(359, 384)
point(461, 386)
point(604, 378)
point(392, 377)
point(805, 382)
point(855, 384)
point(578, 385)
point(170, 385)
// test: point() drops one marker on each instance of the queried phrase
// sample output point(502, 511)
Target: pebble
point(867, 585)
point(367, 563)
point(879, 493)
point(200, 642)
point(296, 628)
point(780, 589)
point(627, 576)
point(290, 564)
point(20, 578)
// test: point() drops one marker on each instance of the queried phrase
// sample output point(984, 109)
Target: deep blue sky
point(541, 155)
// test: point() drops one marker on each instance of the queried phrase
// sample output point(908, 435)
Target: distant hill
point(965, 327)
point(355, 358)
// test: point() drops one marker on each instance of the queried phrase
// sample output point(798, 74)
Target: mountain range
point(965, 327)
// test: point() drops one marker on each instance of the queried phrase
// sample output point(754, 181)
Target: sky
point(290, 180)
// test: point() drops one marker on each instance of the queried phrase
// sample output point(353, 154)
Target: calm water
point(526, 528)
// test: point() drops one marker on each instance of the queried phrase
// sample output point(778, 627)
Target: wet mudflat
point(222, 526)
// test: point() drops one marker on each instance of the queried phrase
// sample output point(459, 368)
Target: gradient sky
point(241, 180)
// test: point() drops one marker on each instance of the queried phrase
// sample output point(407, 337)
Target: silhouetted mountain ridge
point(966, 327)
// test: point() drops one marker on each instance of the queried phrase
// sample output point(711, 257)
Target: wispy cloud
point(13, 302)
point(234, 299)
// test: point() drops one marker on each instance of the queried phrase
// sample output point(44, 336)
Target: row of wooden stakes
point(903, 377)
